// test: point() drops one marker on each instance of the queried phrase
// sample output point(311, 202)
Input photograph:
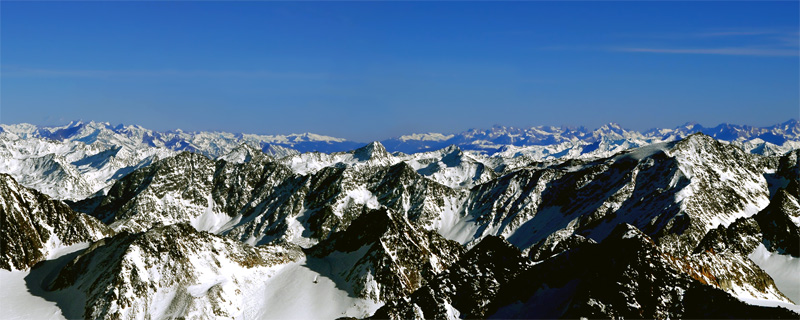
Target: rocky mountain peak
point(696, 139)
point(450, 149)
point(626, 231)
point(372, 151)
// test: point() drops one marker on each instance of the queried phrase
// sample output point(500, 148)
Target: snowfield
point(784, 270)
point(22, 296)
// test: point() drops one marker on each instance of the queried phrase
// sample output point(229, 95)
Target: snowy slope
point(168, 272)
point(784, 270)
point(23, 296)
point(281, 291)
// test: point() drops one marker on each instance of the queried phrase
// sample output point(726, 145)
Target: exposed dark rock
point(32, 225)
point(390, 252)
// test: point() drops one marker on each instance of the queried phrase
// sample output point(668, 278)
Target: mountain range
point(122, 222)
point(495, 139)
point(84, 158)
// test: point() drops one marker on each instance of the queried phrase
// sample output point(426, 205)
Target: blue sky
point(372, 70)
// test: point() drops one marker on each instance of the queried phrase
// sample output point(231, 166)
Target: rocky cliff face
point(33, 225)
point(391, 257)
point(466, 288)
point(674, 191)
point(624, 276)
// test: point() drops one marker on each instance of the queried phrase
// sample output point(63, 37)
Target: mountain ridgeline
point(76, 161)
point(682, 226)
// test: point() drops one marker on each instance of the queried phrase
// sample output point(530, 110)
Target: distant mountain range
point(499, 138)
point(490, 141)
point(75, 161)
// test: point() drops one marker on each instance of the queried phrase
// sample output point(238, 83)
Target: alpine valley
point(104, 221)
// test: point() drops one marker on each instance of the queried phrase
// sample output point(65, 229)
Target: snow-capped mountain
point(548, 142)
point(212, 144)
point(171, 271)
point(80, 159)
point(674, 227)
point(262, 200)
point(71, 170)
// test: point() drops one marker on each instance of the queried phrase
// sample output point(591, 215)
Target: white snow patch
point(453, 226)
point(784, 270)
point(451, 312)
point(205, 284)
point(363, 196)
point(292, 293)
point(771, 303)
point(647, 151)
point(630, 234)
point(210, 220)
point(18, 302)
point(295, 230)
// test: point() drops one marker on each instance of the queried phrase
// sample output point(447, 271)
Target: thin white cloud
point(755, 42)
point(735, 33)
point(733, 42)
point(765, 52)
point(92, 73)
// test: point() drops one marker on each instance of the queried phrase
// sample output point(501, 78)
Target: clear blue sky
point(369, 70)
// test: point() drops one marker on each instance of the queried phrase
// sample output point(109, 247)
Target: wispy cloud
point(736, 33)
point(730, 42)
point(768, 52)
point(12, 71)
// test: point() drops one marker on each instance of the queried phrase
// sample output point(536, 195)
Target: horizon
point(590, 129)
point(367, 70)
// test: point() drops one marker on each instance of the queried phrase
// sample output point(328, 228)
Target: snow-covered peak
point(241, 154)
point(372, 151)
point(611, 127)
